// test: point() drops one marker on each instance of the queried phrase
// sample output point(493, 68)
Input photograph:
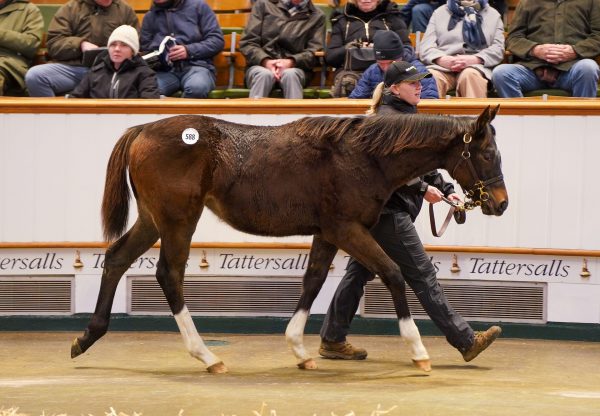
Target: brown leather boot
point(481, 341)
point(342, 351)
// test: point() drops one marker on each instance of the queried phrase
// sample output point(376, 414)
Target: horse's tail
point(115, 202)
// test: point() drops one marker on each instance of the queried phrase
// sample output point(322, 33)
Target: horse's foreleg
point(175, 248)
point(319, 260)
point(119, 257)
point(357, 241)
point(408, 329)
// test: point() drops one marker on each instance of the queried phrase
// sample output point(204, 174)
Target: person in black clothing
point(120, 72)
point(358, 21)
point(397, 236)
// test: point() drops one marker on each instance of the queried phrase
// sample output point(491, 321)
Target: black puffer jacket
point(350, 24)
point(134, 79)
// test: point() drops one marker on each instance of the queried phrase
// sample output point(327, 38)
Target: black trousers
point(397, 236)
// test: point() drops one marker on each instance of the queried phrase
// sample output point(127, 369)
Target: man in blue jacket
point(198, 38)
point(388, 48)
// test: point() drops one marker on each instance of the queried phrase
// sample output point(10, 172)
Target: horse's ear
point(485, 118)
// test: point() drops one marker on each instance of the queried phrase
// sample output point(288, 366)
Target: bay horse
point(323, 176)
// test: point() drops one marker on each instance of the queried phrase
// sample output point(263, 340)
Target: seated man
point(198, 39)
point(388, 48)
point(21, 27)
point(78, 26)
point(554, 45)
point(279, 45)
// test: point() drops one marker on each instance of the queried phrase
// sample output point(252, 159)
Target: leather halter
point(478, 186)
point(470, 203)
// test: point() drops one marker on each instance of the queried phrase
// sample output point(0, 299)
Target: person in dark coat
point(279, 44)
point(397, 236)
point(120, 72)
point(359, 20)
point(198, 39)
point(21, 27)
point(77, 27)
point(388, 48)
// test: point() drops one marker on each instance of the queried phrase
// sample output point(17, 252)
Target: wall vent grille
point(219, 296)
point(474, 300)
point(23, 295)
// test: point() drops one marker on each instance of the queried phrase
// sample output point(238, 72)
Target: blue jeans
point(512, 80)
point(421, 14)
point(49, 80)
point(193, 81)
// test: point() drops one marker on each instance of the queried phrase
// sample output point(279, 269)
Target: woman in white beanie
point(120, 73)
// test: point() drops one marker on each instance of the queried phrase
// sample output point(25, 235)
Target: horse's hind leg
point(408, 329)
point(119, 257)
point(174, 251)
point(320, 258)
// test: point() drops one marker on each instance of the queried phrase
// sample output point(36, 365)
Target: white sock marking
point(410, 334)
point(192, 340)
point(294, 335)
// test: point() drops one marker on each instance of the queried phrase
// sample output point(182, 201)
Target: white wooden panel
point(573, 303)
point(53, 166)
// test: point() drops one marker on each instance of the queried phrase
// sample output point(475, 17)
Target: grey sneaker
point(481, 341)
point(342, 351)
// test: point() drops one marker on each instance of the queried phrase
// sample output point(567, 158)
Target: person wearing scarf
point(463, 42)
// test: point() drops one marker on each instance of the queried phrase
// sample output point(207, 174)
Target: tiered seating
point(230, 64)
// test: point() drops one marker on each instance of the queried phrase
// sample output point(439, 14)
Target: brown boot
point(341, 350)
point(481, 341)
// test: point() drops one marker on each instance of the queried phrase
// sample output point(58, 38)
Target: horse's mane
point(383, 135)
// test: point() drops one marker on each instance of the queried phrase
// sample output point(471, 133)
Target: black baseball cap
point(399, 71)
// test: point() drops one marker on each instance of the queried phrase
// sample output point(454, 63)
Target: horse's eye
point(487, 157)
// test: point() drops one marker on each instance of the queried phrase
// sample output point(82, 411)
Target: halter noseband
point(478, 185)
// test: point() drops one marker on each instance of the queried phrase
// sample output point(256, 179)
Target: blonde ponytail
point(376, 101)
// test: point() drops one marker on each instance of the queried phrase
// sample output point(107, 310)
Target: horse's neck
point(412, 163)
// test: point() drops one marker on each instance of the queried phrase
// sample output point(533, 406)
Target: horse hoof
point(309, 364)
point(218, 368)
point(424, 365)
point(76, 349)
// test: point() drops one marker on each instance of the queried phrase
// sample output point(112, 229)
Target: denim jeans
point(421, 14)
point(49, 80)
point(193, 81)
point(512, 80)
point(397, 236)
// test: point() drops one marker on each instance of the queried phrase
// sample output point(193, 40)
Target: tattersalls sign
point(290, 262)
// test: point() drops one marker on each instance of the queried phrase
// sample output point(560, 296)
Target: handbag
point(359, 58)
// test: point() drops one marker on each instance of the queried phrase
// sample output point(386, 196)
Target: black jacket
point(134, 79)
point(409, 198)
point(350, 24)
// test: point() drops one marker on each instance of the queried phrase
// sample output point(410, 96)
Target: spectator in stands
point(199, 38)
point(463, 42)
point(21, 27)
point(78, 26)
point(397, 236)
point(388, 48)
point(554, 44)
point(120, 72)
point(359, 20)
point(416, 13)
point(279, 44)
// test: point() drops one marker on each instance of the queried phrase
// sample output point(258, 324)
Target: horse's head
point(477, 166)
